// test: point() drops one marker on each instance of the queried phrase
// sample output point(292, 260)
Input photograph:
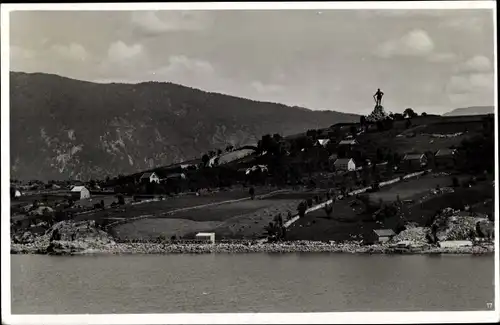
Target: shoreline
point(79, 248)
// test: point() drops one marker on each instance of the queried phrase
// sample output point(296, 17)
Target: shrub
point(121, 200)
point(309, 202)
point(301, 209)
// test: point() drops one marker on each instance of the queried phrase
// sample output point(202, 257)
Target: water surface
point(302, 282)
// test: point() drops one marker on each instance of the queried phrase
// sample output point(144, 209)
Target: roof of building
point(205, 234)
point(323, 141)
point(78, 188)
point(445, 152)
point(175, 175)
point(148, 175)
point(384, 232)
point(413, 156)
point(342, 161)
point(350, 141)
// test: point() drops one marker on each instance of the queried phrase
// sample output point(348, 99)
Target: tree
point(301, 209)
point(353, 130)
point(410, 113)
point(398, 116)
point(219, 152)
point(251, 191)
point(423, 114)
point(362, 120)
point(205, 159)
point(328, 210)
point(408, 123)
point(121, 199)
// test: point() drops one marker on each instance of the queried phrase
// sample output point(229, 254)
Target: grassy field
point(349, 222)
point(410, 189)
point(245, 219)
point(162, 207)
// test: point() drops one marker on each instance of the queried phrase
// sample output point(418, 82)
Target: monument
point(378, 112)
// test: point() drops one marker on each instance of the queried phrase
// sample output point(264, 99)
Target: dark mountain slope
point(65, 128)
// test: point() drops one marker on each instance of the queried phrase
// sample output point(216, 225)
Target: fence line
point(355, 192)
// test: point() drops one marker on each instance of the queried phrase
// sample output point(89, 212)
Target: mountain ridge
point(67, 128)
point(472, 110)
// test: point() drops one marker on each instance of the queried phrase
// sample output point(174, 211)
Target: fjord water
point(302, 282)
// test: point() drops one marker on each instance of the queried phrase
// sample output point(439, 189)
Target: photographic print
point(209, 160)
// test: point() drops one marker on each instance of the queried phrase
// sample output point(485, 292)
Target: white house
point(323, 142)
point(150, 177)
point(17, 193)
point(207, 236)
point(346, 164)
point(80, 192)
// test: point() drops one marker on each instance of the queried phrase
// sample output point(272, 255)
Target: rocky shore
point(72, 238)
point(78, 247)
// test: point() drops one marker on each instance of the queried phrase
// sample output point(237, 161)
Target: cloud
point(158, 22)
point(73, 51)
point(442, 57)
point(181, 64)
point(465, 23)
point(19, 53)
point(402, 13)
point(415, 43)
point(119, 52)
point(476, 64)
point(266, 88)
point(472, 83)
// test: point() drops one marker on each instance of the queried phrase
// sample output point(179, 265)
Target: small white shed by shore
point(455, 243)
point(207, 236)
point(80, 192)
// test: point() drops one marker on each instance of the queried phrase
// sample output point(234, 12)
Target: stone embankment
point(78, 247)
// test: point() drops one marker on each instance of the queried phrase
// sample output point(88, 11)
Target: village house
point(174, 176)
point(348, 142)
point(80, 192)
point(344, 164)
point(414, 161)
point(445, 158)
point(149, 178)
point(378, 236)
point(323, 142)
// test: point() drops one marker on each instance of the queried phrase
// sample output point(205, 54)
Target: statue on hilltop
point(378, 97)
point(378, 112)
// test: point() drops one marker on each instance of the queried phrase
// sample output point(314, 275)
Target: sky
point(430, 60)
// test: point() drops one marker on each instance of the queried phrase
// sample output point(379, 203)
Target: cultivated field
point(232, 220)
point(160, 208)
point(410, 189)
point(348, 221)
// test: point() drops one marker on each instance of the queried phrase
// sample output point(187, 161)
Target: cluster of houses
point(444, 158)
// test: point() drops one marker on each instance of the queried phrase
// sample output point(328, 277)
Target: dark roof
point(147, 175)
point(413, 156)
point(348, 141)
point(343, 160)
point(384, 232)
point(445, 152)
